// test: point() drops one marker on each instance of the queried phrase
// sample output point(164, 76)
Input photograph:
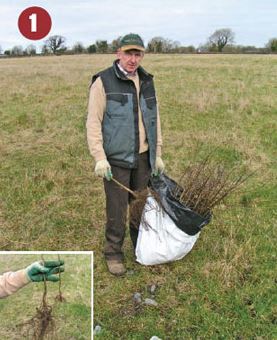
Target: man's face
point(130, 60)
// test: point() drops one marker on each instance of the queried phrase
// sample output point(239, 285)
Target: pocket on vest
point(118, 97)
point(149, 108)
point(118, 105)
point(151, 102)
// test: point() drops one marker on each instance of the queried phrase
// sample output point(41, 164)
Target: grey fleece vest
point(120, 123)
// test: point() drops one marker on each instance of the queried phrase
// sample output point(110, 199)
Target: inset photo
point(46, 295)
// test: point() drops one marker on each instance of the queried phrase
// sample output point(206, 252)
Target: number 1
point(33, 19)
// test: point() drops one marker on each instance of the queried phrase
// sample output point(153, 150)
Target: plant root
point(41, 325)
point(60, 298)
point(138, 209)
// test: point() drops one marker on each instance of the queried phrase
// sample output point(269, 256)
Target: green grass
point(72, 317)
point(50, 199)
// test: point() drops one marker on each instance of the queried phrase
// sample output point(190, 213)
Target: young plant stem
point(125, 188)
point(60, 297)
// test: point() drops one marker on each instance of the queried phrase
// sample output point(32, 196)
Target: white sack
point(162, 241)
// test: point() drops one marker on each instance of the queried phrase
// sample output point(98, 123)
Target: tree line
point(222, 40)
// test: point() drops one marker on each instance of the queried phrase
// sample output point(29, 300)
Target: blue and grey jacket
point(120, 123)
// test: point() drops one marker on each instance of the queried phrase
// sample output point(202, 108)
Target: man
point(11, 282)
point(124, 137)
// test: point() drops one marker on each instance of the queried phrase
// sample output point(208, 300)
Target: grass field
point(72, 317)
point(226, 287)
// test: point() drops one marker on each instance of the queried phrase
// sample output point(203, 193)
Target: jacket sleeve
point(96, 109)
point(10, 282)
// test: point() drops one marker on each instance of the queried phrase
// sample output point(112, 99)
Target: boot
point(116, 267)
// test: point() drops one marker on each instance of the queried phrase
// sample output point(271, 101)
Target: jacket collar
point(143, 74)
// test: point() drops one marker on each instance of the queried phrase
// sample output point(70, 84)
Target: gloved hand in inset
point(159, 167)
point(39, 270)
point(103, 169)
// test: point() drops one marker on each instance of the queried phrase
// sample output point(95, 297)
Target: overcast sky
point(188, 21)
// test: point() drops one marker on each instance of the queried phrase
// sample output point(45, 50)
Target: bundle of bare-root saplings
point(206, 184)
point(201, 187)
point(42, 325)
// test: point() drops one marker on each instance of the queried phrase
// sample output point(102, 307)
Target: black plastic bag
point(185, 219)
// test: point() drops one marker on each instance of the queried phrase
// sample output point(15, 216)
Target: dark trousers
point(117, 200)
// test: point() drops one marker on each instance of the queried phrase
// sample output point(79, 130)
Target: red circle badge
point(34, 23)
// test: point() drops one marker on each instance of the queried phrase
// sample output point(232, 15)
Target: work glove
point(159, 167)
point(37, 271)
point(103, 169)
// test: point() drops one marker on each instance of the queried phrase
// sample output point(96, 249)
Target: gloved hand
point(38, 270)
point(103, 169)
point(159, 167)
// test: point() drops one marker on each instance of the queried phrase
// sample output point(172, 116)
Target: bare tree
point(30, 50)
point(156, 44)
point(78, 48)
point(171, 45)
point(221, 38)
point(272, 45)
point(55, 43)
point(114, 46)
point(91, 48)
point(17, 50)
point(44, 49)
point(101, 46)
point(162, 45)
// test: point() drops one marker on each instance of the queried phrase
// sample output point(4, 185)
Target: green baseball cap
point(131, 41)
